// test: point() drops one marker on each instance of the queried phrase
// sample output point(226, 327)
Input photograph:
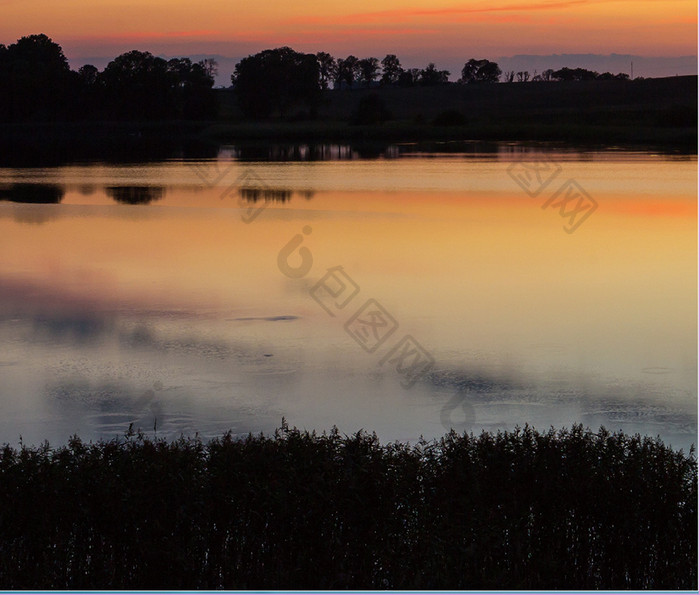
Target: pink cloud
point(362, 32)
point(147, 35)
point(408, 14)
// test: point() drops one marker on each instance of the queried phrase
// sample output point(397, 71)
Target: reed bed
point(521, 509)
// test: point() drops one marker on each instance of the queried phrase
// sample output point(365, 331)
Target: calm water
point(404, 294)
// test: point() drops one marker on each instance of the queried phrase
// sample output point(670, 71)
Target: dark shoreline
point(651, 113)
point(46, 145)
point(219, 131)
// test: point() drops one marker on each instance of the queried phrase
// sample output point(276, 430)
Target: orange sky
point(436, 30)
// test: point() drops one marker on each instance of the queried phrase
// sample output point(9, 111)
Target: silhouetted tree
point(5, 84)
point(36, 83)
point(326, 69)
point(369, 70)
point(338, 73)
point(35, 80)
point(609, 76)
point(563, 74)
point(87, 93)
point(432, 76)
point(348, 71)
point(391, 70)
point(210, 66)
point(574, 74)
point(191, 84)
point(275, 81)
point(409, 77)
point(136, 86)
point(523, 76)
point(88, 74)
point(179, 69)
point(480, 71)
point(508, 76)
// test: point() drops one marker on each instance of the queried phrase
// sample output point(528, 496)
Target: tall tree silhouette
point(480, 71)
point(326, 69)
point(369, 70)
point(574, 74)
point(432, 76)
point(391, 70)
point(276, 81)
point(35, 79)
point(409, 77)
point(211, 67)
point(190, 85)
point(348, 71)
point(88, 74)
point(136, 86)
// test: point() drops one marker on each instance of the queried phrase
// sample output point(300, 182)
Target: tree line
point(563, 74)
point(38, 84)
point(275, 80)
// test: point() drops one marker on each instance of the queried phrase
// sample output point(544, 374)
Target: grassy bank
point(652, 111)
point(516, 510)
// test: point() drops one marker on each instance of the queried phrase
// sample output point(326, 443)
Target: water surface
point(404, 294)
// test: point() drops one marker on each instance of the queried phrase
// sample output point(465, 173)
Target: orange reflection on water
point(486, 280)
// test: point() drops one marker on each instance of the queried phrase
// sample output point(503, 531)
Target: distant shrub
point(450, 118)
point(514, 510)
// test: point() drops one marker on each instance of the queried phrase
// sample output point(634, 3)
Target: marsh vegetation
point(512, 510)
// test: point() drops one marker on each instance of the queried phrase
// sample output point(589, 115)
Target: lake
point(405, 292)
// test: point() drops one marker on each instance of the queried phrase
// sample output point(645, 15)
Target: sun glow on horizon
point(435, 30)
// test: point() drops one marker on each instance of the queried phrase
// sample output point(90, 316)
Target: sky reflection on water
point(143, 296)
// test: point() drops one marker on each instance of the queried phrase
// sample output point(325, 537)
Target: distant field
point(663, 110)
point(652, 112)
point(510, 100)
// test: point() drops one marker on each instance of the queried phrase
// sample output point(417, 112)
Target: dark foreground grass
point(516, 510)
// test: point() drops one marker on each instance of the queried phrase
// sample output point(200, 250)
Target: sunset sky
point(417, 30)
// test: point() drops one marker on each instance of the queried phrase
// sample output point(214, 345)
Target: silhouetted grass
point(517, 510)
